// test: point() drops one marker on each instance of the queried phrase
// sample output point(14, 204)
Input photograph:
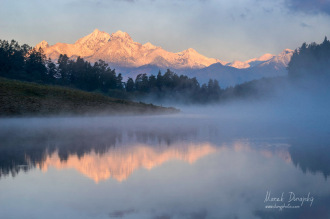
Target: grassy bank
point(29, 99)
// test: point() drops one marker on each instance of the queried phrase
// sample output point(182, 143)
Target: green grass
point(29, 99)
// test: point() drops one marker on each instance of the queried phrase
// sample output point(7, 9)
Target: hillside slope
point(27, 99)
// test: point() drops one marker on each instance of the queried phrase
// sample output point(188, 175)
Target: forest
point(310, 62)
point(21, 62)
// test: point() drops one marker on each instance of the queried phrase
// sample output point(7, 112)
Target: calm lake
point(196, 164)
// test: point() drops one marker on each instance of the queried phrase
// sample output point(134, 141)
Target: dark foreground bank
point(30, 99)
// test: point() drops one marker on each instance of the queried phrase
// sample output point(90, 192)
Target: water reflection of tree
point(159, 137)
point(22, 149)
point(311, 155)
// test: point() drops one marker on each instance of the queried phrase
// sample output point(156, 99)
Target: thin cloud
point(303, 24)
point(309, 6)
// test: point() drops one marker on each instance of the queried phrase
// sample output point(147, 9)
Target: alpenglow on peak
point(95, 37)
point(119, 50)
point(43, 44)
point(148, 45)
point(121, 35)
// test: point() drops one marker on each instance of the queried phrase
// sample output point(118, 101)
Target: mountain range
point(131, 58)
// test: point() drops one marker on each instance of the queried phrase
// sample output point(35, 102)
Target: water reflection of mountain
point(43, 144)
point(311, 154)
point(120, 162)
point(24, 148)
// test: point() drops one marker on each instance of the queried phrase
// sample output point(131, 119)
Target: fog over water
point(214, 161)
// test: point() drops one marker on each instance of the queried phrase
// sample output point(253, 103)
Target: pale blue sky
point(223, 29)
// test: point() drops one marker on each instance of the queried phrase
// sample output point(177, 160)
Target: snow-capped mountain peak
point(131, 58)
point(282, 59)
point(95, 37)
point(238, 64)
point(119, 50)
point(120, 35)
point(43, 44)
point(149, 46)
point(190, 50)
point(265, 57)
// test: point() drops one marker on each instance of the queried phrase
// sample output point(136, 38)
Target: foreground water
point(193, 165)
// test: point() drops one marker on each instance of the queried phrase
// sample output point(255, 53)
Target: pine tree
point(130, 85)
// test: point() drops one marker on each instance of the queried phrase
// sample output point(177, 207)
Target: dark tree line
point(21, 62)
point(311, 61)
point(85, 76)
point(28, 64)
point(174, 87)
